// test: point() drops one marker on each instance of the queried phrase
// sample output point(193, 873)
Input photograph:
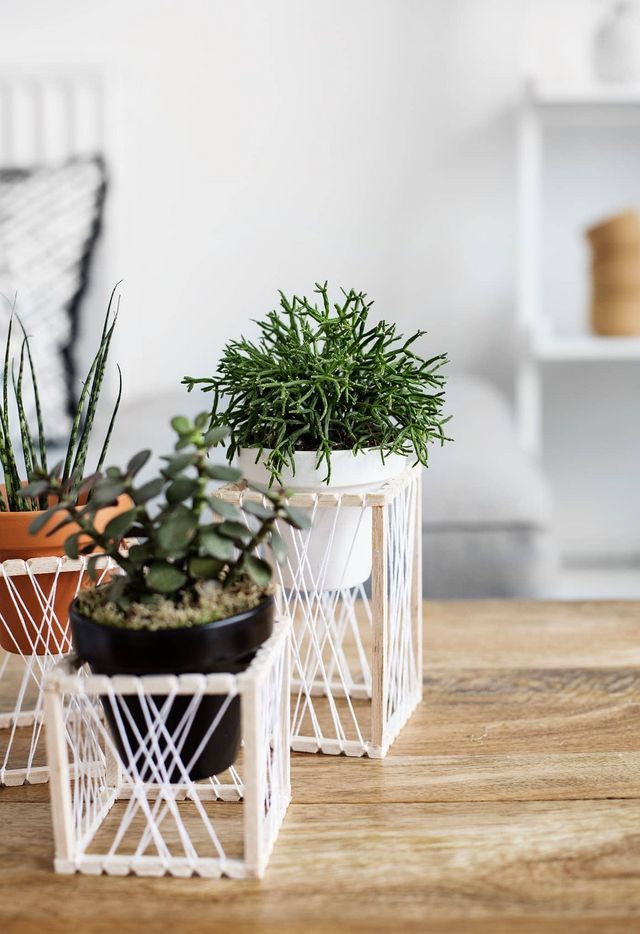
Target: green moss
point(209, 603)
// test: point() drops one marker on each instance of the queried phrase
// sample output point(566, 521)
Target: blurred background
point(446, 156)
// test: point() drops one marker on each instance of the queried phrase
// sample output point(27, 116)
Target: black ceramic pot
point(227, 645)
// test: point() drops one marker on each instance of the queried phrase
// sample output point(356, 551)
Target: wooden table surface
point(510, 803)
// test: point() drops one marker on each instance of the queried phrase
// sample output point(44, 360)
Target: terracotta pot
point(615, 316)
point(51, 633)
point(624, 228)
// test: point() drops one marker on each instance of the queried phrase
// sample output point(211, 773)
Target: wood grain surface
point(510, 803)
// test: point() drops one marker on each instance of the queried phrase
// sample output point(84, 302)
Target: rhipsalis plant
point(15, 469)
point(194, 559)
point(321, 377)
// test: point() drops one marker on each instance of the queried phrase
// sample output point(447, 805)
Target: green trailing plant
point(18, 466)
point(322, 377)
point(194, 556)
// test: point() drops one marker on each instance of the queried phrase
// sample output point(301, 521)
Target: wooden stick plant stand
point(356, 650)
point(34, 630)
point(122, 797)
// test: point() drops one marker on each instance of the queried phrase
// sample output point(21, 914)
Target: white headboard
point(47, 117)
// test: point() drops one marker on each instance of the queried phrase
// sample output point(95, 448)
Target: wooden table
point(511, 803)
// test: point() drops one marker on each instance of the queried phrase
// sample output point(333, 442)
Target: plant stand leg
point(254, 792)
point(380, 628)
point(416, 588)
point(60, 789)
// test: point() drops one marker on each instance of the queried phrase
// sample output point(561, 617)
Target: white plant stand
point(110, 818)
point(22, 754)
point(356, 651)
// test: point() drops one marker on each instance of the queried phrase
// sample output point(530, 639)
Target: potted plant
point(327, 399)
point(192, 595)
point(25, 521)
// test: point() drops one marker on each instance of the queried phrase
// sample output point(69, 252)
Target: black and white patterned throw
point(50, 218)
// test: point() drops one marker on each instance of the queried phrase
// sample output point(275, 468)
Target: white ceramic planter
point(347, 562)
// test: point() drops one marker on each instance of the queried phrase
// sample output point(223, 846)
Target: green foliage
point(186, 539)
point(71, 470)
point(323, 378)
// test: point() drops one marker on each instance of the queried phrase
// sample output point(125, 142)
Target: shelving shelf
point(544, 105)
point(584, 348)
point(550, 95)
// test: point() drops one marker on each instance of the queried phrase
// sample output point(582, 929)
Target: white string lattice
point(34, 600)
point(121, 751)
point(356, 647)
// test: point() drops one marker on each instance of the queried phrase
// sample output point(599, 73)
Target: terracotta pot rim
point(18, 543)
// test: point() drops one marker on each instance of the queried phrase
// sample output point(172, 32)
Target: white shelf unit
point(539, 344)
point(583, 347)
point(582, 95)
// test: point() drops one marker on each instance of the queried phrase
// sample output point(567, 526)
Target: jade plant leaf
point(215, 435)
point(177, 531)
point(235, 530)
point(36, 488)
point(257, 509)
point(140, 554)
point(148, 490)
point(278, 547)
point(71, 546)
point(298, 518)
point(137, 462)
point(182, 488)
point(204, 568)
point(178, 463)
point(224, 509)
point(40, 521)
point(258, 570)
point(165, 578)
point(272, 495)
point(106, 492)
point(216, 545)
point(120, 524)
point(92, 569)
point(223, 473)
point(181, 425)
point(59, 525)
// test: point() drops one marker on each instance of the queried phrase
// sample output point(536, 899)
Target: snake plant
point(19, 461)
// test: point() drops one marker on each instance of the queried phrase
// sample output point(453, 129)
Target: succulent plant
point(323, 377)
point(185, 536)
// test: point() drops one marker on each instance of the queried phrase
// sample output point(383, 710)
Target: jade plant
point(323, 377)
point(193, 559)
point(18, 463)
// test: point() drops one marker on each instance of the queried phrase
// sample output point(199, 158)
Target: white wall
point(263, 145)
